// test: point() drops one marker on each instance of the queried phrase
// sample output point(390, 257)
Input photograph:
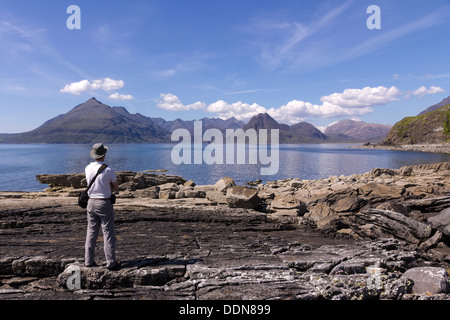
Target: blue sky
point(314, 61)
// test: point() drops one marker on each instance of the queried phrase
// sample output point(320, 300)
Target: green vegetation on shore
point(429, 128)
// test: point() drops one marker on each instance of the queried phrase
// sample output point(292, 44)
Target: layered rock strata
point(380, 235)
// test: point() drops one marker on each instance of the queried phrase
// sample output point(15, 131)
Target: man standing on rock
point(100, 211)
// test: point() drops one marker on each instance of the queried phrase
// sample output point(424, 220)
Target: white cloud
point(172, 103)
point(357, 98)
point(121, 97)
point(77, 88)
point(295, 111)
point(106, 84)
point(351, 103)
point(423, 91)
point(239, 110)
point(224, 110)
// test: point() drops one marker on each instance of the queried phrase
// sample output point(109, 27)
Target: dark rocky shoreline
point(380, 235)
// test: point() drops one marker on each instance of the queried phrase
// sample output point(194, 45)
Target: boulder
point(331, 204)
point(223, 184)
point(242, 197)
point(254, 183)
point(441, 252)
point(319, 193)
point(431, 242)
point(77, 180)
point(179, 195)
point(204, 188)
point(319, 211)
point(42, 266)
point(442, 168)
point(380, 171)
point(165, 178)
point(139, 181)
point(6, 265)
point(54, 180)
point(38, 266)
point(378, 191)
point(189, 183)
point(434, 204)
point(127, 180)
point(216, 196)
point(375, 223)
point(441, 221)
point(392, 206)
point(431, 280)
point(169, 186)
point(346, 204)
point(150, 193)
point(295, 183)
point(125, 176)
point(127, 186)
point(419, 191)
point(102, 278)
point(192, 193)
point(288, 203)
point(167, 194)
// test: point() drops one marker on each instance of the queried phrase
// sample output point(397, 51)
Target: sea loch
point(20, 163)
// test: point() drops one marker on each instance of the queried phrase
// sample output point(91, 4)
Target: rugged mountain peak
point(88, 104)
point(262, 121)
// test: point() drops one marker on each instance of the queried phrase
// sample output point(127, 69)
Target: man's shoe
point(93, 264)
point(115, 267)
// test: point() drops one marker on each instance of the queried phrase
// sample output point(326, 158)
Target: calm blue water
point(19, 164)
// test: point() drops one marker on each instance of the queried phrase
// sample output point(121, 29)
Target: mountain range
point(351, 130)
point(93, 121)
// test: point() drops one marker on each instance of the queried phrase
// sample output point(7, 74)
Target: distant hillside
point(207, 123)
point(93, 121)
point(302, 132)
point(90, 122)
point(429, 128)
point(357, 131)
point(439, 105)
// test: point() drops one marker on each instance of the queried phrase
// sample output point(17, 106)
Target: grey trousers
point(100, 213)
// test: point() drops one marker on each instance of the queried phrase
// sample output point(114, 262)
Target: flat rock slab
point(180, 252)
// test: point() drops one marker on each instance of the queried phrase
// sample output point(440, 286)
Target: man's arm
point(113, 181)
point(114, 186)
